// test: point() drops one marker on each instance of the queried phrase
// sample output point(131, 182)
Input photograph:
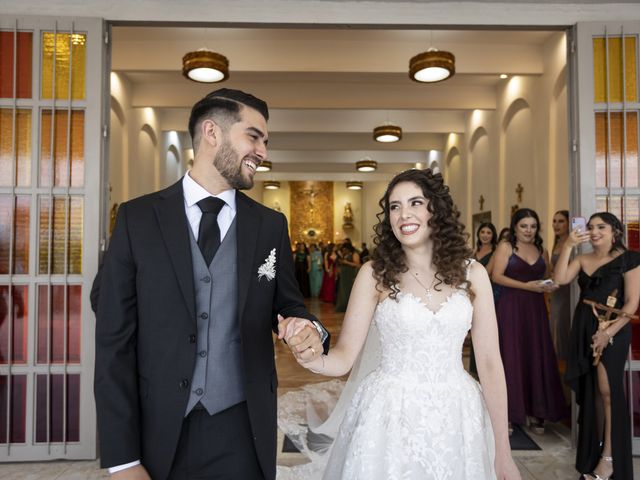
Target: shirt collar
point(194, 192)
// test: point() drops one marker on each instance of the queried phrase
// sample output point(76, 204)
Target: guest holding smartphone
point(604, 437)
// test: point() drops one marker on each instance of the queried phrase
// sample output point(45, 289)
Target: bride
point(419, 415)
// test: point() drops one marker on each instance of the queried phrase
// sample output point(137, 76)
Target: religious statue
point(347, 217)
point(481, 201)
point(519, 192)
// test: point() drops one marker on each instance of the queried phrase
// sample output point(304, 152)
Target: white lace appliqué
point(268, 268)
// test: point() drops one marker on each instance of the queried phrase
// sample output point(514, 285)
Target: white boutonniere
point(268, 268)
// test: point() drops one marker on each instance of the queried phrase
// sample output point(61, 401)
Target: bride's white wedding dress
point(418, 415)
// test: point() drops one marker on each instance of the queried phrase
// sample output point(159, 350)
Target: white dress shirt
point(193, 193)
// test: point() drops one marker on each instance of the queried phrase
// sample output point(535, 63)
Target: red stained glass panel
point(17, 408)
point(50, 424)
point(8, 43)
point(54, 328)
point(16, 299)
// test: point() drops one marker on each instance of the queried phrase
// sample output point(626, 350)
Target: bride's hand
point(506, 469)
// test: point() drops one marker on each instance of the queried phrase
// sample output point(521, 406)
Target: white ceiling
point(328, 88)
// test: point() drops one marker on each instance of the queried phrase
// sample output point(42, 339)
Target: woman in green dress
point(316, 268)
point(348, 265)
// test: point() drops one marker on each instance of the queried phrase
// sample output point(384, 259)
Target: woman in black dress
point(604, 437)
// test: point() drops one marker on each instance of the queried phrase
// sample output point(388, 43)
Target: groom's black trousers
point(216, 447)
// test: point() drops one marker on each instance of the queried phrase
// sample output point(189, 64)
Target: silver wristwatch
point(321, 330)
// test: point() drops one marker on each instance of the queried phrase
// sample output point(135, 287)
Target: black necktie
point(209, 232)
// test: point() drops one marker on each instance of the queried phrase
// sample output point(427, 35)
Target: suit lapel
point(175, 233)
point(247, 225)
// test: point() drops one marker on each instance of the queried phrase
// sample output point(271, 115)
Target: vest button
point(199, 391)
point(206, 279)
point(204, 316)
point(184, 383)
point(202, 353)
point(192, 339)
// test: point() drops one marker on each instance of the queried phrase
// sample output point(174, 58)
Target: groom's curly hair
point(450, 247)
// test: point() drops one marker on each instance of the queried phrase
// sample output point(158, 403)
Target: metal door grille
point(606, 164)
point(50, 143)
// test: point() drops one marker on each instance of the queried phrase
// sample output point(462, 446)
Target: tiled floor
point(553, 462)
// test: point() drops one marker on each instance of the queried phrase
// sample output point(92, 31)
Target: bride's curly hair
point(450, 247)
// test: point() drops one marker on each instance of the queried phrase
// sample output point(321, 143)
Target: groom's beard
point(228, 163)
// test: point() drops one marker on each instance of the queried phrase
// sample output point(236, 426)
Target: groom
point(189, 292)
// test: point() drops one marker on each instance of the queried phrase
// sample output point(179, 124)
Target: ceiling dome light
point(205, 66)
point(271, 185)
point(265, 166)
point(432, 66)
point(503, 76)
point(354, 185)
point(366, 165)
point(387, 133)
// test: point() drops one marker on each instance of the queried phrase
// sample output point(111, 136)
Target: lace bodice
point(419, 343)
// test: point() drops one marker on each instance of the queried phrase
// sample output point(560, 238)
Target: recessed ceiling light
point(504, 75)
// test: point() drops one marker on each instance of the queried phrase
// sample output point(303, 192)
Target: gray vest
point(218, 379)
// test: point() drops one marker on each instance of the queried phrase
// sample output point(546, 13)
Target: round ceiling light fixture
point(432, 66)
point(205, 66)
point(387, 133)
point(271, 185)
point(354, 185)
point(265, 166)
point(366, 165)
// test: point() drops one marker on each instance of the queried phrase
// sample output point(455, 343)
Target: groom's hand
point(301, 337)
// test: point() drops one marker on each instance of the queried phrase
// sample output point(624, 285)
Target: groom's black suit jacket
point(146, 327)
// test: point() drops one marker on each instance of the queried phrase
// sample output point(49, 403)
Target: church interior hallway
point(553, 462)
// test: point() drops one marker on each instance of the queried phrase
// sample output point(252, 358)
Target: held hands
point(302, 338)
point(600, 341)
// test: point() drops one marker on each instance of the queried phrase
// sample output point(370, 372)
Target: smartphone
point(545, 282)
point(580, 223)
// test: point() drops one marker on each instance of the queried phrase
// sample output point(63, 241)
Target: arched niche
point(456, 176)
point(477, 135)
point(173, 166)
point(117, 153)
point(483, 171)
point(516, 106)
point(518, 134)
point(142, 167)
point(151, 132)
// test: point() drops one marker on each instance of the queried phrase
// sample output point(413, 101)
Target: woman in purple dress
point(533, 382)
